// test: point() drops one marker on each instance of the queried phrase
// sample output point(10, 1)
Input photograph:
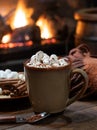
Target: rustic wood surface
point(81, 115)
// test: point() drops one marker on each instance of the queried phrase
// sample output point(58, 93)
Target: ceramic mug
point(49, 88)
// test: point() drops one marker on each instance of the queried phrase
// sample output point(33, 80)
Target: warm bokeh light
point(22, 18)
point(45, 27)
point(22, 15)
point(6, 38)
point(15, 45)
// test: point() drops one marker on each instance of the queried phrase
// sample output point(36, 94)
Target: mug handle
point(82, 90)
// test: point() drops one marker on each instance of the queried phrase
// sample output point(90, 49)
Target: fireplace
point(49, 27)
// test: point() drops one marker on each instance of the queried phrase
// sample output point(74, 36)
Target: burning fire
point(45, 27)
point(21, 17)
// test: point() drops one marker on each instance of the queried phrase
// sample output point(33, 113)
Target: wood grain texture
point(81, 115)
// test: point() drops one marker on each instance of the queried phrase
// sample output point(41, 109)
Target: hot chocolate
point(48, 82)
point(42, 60)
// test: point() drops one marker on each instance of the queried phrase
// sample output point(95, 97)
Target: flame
point(22, 14)
point(6, 38)
point(45, 27)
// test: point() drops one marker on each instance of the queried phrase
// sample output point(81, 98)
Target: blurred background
point(27, 26)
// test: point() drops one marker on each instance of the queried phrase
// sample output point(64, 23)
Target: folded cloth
point(81, 58)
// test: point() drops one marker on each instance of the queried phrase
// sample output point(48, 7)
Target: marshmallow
point(2, 74)
point(53, 59)
point(45, 59)
point(55, 64)
point(33, 59)
point(8, 74)
point(38, 63)
point(12, 75)
point(62, 62)
point(45, 56)
point(7, 71)
point(39, 55)
point(1, 71)
point(22, 77)
point(42, 60)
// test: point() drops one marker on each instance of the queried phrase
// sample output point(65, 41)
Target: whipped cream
point(42, 60)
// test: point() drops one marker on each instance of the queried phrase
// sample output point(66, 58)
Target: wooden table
point(81, 115)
